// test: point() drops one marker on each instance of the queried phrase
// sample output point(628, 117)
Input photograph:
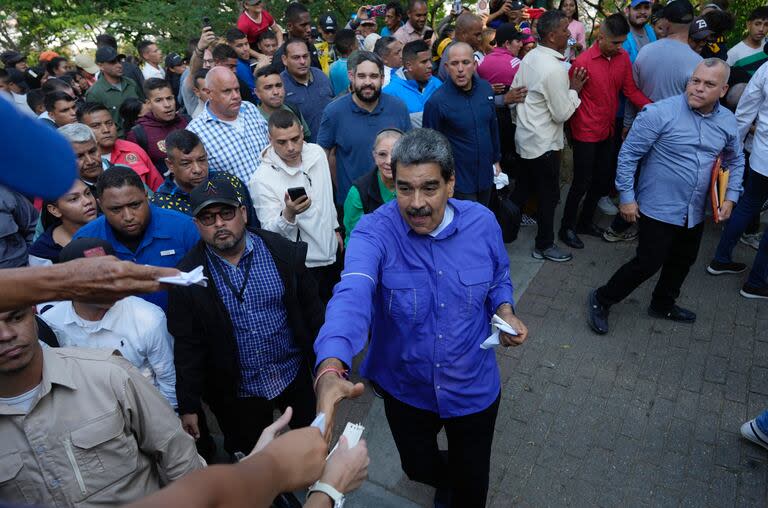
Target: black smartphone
point(296, 192)
point(206, 21)
point(428, 33)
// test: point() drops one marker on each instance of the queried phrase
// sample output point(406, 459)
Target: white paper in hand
point(353, 432)
point(187, 278)
point(498, 325)
point(501, 180)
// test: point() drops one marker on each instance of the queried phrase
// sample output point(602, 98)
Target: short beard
point(372, 99)
point(227, 246)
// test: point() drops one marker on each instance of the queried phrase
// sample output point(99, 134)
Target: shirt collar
point(449, 230)
point(105, 323)
point(210, 116)
point(357, 109)
point(551, 52)
point(715, 109)
point(308, 83)
point(248, 250)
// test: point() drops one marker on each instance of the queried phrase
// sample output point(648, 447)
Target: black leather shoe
point(571, 239)
point(597, 314)
point(590, 230)
point(676, 313)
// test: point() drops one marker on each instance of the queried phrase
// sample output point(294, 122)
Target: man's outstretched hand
point(332, 389)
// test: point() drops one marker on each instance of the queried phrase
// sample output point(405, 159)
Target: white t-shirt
point(741, 50)
point(152, 72)
point(24, 401)
point(447, 219)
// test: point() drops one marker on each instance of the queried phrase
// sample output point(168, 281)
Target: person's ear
point(724, 91)
point(53, 210)
point(243, 213)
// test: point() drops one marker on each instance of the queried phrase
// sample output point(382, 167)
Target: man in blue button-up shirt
point(138, 231)
point(677, 141)
point(424, 274)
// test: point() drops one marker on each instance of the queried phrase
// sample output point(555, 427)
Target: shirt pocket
point(100, 453)
point(475, 283)
point(13, 486)
point(405, 295)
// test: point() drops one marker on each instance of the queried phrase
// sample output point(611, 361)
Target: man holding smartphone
point(293, 196)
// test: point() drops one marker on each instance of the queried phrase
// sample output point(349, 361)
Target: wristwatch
point(336, 496)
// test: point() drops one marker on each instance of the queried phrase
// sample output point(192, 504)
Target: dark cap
point(328, 22)
point(86, 248)
point(699, 29)
point(11, 58)
point(17, 77)
point(106, 54)
point(507, 32)
point(678, 11)
point(173, 60)
point(217, 190)
point(516, 5)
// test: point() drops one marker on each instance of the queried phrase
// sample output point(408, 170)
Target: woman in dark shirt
point(61, 219)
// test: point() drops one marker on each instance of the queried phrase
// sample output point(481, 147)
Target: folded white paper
point(501, 180)
point(353, 432)
point(498, 325)
point(187, 278)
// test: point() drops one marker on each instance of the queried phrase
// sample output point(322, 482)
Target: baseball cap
point(252, 2)
point(516, 5)
point(85, 248)
point(106, 54)
point(86, 63)
point(215, 191)
point(47, 56)
point(328, 22)
point(635, 3)
point(699, 29)
point(678, 11)
point(11, 58)
point(507, 32)
point(368, 21)
point(173, 60)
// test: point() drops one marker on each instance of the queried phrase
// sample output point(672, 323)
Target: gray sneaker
point(752, 240)
point(627, 236)
point(552, 253)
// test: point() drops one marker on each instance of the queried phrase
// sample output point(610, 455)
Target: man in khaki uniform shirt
point(81, 426)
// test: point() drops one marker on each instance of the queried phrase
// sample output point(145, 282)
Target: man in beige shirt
point(414, 28)
point(81, 427)
point(551, 100)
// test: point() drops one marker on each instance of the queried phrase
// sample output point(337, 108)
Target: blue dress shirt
point(245, 74)
point(428, 303)
point(268, 356)
point(468, 120)
point(311, 99)
point(677, 148)
point(167, 239)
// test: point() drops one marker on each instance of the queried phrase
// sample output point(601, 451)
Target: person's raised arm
point(207, 37)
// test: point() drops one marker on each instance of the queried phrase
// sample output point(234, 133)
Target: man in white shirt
point(307, 212)
point(153, 60)
point(550, 102)
point(132, 325)
point(752, 108)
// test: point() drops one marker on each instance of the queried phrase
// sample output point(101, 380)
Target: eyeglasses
point(209, 218)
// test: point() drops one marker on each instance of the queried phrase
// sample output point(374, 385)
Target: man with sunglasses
point(243, 343)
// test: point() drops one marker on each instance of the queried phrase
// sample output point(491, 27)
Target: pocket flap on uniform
point(473, 276)
point(403, 280)
point(10, 465)
point(100, 431)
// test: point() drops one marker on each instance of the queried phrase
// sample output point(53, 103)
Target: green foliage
point(741, 9)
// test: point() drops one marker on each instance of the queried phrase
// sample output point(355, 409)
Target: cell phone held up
point(296, 193)
point(206, 22)
point(377, 11)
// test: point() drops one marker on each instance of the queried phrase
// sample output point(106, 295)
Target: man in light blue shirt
point(676, 141)
point(424, 274)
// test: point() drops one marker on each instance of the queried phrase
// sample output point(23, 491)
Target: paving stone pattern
point(647, 415)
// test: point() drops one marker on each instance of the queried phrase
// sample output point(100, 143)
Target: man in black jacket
point(243, 344)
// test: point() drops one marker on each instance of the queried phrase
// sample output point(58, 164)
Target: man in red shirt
point(254, 20)
point(593, 123)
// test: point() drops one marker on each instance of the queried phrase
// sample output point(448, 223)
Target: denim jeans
point(755, 194)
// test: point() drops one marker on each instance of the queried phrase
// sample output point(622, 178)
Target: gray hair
point(716, 62)
point(77, 133)
point(549, 22)
point(386, 134)
point(360, 56)
point(422, 146)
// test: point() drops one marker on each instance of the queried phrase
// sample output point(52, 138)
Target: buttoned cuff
point(732, 195)
point(626, 197)
point(334, 347)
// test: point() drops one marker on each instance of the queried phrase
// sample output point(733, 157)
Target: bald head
point(223, 90)
point(708, 84)
point(460, 64)
point(459, 48)
point(469, 29)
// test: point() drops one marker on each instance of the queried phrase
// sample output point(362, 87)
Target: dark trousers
point(464, 469)
point(242, 419)
point(591, 171)
point(673, 249)
point(327, 277)
point(483, 197)
point(542, 177)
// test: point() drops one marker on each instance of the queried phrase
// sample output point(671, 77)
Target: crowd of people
point(342, 184)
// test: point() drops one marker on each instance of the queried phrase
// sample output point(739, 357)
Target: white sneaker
point(752, 240)
point(606, 206)
point(750, 431)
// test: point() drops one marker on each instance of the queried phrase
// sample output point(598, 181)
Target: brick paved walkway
point(647, 415)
